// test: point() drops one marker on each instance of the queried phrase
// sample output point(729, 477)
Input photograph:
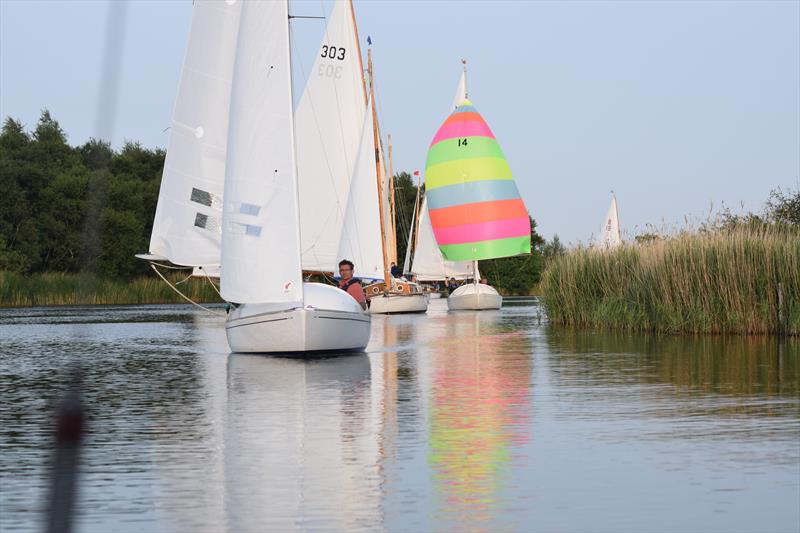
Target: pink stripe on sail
point(472, 128)
point(484, 231)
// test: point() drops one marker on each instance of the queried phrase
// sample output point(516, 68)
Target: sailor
point(350, 284)
point(452, 285)
point(397, 272)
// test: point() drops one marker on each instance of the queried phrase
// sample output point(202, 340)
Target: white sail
point(186, 228)
point(328, 129)
point(609, 233)
point(429, 265)
point(410, 241)
point(461, 91)
point(361, 235)
point(260, 221)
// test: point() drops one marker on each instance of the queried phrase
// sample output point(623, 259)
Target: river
point(490, 421)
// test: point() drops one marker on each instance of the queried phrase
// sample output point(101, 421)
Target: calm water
point(488, 421)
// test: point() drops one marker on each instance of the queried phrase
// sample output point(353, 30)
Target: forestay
point(429, 265)
point(186, 228)
point(328, 128)
point(260, 222)
point(474, 205)
point(361, 238)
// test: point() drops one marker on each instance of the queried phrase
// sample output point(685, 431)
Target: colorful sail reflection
point(480, 419)
point(475, 207)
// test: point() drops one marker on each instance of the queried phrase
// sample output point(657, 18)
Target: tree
point(784, 207)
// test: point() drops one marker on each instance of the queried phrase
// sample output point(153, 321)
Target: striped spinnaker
point(475, 208)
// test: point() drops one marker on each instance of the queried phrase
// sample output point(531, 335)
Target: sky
point(675, 106)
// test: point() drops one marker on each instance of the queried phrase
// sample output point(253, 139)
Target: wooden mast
point(392, 212)
point(376, 137)
point(358, 49)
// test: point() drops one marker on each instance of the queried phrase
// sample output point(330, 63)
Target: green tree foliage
point(405, 193)
point(74, 209)
point(517, 275)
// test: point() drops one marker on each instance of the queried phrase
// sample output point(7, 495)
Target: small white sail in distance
point(361, 234)
point(260, 220)
point(186, 227)
point(609, 232)
point(328, 123)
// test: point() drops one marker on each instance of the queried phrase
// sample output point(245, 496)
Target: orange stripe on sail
point(477, 212)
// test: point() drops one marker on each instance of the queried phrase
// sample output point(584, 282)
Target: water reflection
point(479, 416)
point(300, 446)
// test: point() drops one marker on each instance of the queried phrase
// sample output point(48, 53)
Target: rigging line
point(174, 288)
point(208, 278)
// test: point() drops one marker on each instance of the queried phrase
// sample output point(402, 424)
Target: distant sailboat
point(475, 208)
point(609, 233)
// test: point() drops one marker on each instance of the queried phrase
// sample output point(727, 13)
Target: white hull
point(474, 296)
point(331, 320)
point(434, 295)
point(394, 303)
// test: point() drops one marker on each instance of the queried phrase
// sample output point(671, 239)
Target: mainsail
point(328, 123)
point(474, 205)
point(609, 233)
point(260, 221)
point(186, 227)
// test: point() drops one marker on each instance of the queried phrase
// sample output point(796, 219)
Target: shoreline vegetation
point(52, 289)
point(742, 279)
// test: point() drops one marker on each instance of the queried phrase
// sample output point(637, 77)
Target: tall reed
point(707, 282)
point(76, 289)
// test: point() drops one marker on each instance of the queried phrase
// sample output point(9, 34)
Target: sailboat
point(281, 215)
point(609, 232)
point(475, 209)
point(389, 295)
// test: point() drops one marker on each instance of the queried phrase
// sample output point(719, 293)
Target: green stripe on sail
point(467, 170)
point(449, 150)
point(487, 249)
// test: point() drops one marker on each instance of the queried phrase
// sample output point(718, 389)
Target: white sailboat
point(274, 310)
point(233, 138)
point(609, 236)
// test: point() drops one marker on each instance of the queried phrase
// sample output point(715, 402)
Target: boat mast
point(392, 212)
point(466, 97)
point(376, 137)
point(293, 133)
point(358, 49)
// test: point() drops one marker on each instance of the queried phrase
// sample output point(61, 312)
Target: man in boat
point(350, 284)
point(452, 285)
point(396, 271)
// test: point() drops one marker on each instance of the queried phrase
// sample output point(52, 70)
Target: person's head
point(484, 281)
point(346, 269)
point(452, 280)
point(394, 264)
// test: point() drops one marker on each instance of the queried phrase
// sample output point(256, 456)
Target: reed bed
point(703, 282)
point(77, 289)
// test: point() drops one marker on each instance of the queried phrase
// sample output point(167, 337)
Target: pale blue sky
point(673, 105)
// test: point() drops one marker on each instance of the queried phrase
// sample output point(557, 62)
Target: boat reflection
point(480, 415)
point(300, 444)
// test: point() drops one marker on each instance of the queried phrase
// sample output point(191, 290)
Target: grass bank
point(77, 289)
point(720, 282)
